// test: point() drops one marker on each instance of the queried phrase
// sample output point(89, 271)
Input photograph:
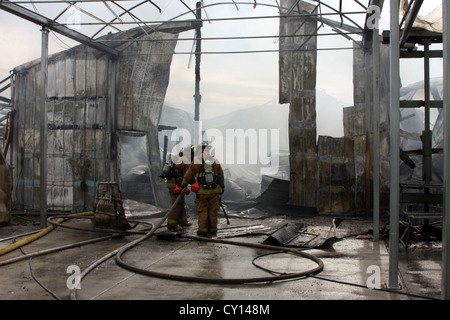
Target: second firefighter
point(174, 171)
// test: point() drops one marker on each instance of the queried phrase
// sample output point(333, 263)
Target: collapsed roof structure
point(87, 87)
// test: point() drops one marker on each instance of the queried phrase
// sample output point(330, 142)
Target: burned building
point(74, 112)
point(92, 100)
point(330, 174)
point(97, 99)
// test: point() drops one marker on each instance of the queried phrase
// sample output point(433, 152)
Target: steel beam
point(5, 99)
point(427, 135)
point(394, 205)
point(56, 27)
point(446, 224)
point(368, 102)
point(43, 130)
point(368, 32)
point(198, 57)
point(376, 134)
point(410, 22)
point(112, 122)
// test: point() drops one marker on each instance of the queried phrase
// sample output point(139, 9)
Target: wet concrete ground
point(351, 263)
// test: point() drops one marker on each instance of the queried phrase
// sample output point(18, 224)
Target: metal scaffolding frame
point(396, 41)
point(128, 14)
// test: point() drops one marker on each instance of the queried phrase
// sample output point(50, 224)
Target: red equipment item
point(195, 187)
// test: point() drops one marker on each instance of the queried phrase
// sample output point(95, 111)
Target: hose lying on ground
point(315, 270)
point(149, 233)
point(127, 266)
point(60, 248)
point(36, 236)
point(73, 292)
point(122, 250)
point(14, 237)
point(119, 252)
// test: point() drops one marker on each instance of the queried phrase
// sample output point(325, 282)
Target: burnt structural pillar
point(298, 58)
point(43, 129)
point(446, 224)
point(358, 125)
point(198, 57)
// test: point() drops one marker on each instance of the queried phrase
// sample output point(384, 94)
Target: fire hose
point(267, 279)
point(38, 235)
point(122, 263)
point(119, 253)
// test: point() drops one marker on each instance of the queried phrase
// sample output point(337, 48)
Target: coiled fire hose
point(136, 269)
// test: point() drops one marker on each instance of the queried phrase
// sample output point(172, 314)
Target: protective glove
point(195, 187)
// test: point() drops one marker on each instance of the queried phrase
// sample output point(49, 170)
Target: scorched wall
point(91, 98)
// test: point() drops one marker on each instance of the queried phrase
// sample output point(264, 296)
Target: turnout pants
point(178, 217)
point(207, 206)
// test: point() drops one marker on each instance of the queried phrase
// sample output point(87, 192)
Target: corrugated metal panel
point(336, 173)
point(76, 132)
point(297, 87)
point(79, 137)
point(69, 78)
point(142, 86)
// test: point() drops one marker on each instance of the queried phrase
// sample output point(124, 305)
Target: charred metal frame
point(397, 41)
point(368, 42)
point(395, 144)
point(446, 223)
point(43, 129)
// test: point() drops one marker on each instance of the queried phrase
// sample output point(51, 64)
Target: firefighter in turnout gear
point(174, 171)
point(209, 185)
